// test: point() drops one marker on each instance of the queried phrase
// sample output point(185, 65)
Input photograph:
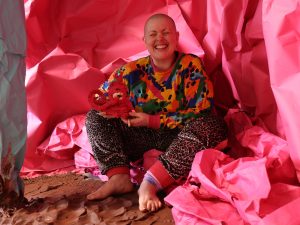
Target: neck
point(164, 64)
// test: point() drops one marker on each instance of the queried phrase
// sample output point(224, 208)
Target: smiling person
point(173, 101)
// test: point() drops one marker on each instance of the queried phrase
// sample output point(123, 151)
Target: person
point(173, 112)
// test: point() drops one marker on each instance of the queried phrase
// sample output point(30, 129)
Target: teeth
point(160, 46)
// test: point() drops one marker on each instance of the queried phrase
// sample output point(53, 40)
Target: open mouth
point(161, 46)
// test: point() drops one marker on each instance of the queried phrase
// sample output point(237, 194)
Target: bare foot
point(117, 184)
point(148, 199)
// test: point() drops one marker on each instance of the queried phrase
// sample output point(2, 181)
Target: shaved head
point(159, 16)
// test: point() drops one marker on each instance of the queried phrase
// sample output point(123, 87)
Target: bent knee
point(207, 122)
point(93, 116)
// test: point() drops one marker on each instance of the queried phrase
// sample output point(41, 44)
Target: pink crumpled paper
point(69, 141)
point(250, 50)
point(244, 188)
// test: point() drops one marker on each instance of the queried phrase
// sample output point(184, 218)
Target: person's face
point(161, 38)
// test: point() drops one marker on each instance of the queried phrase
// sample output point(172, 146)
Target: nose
point(160, 36)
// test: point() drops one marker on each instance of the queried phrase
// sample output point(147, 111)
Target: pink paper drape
point(250, 49)
point(253, 46)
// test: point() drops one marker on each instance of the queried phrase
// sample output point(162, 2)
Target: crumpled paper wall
point(282, 37)
point(250, 49)
point(72, 48)
point(259, 187)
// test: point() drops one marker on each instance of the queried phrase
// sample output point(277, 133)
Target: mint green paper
point(13, 122)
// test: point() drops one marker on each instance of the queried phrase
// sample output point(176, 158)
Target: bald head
point(159, 16)
point(161, 39)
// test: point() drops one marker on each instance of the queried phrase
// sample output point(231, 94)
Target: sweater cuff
point(154, 121)
point(161, 174)
point(117, 170)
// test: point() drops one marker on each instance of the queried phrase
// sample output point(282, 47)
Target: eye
point(166, 33)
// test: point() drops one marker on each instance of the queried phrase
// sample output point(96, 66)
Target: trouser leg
point(202, 133)
point(114, 144)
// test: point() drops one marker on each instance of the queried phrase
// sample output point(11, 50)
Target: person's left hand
point(137, 119)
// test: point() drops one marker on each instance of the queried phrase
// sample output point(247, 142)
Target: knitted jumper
point(174, 96)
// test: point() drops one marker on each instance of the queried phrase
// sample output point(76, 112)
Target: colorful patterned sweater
point(177, 95)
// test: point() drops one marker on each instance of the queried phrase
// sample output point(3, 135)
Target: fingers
point(134, 114)
point(128, 123)
point(138, 119)
point(125, 120)
point(103, 114)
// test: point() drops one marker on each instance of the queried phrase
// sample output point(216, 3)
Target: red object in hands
point(116, 103)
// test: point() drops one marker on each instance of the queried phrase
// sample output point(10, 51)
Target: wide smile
point(161, 46)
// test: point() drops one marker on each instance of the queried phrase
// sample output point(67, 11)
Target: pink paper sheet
point(250, 189)
point(282, 34)
point(250, 49)
point(74, 43)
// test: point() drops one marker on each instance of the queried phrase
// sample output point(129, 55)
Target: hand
point(103, 114)
point(137, 119)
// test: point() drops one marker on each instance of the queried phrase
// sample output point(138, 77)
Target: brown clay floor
point(64, 204)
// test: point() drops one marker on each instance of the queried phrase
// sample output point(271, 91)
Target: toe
point(151, 206)
point(142, 204)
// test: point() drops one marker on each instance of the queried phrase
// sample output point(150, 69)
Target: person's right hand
point(103, 114)
point(137, 119)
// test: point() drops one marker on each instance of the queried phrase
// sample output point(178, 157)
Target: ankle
point(147, 187)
